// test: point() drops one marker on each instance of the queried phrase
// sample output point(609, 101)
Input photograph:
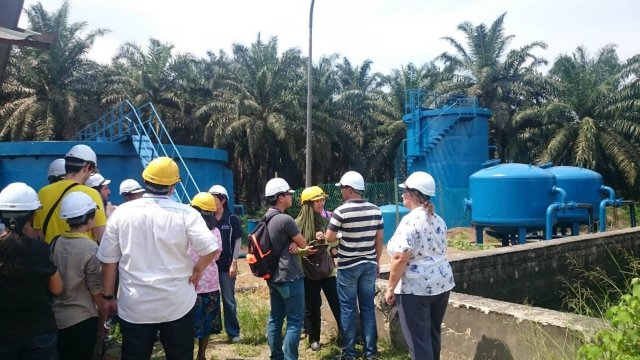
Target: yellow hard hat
point(204, 201)
point(312, 194)
point(162, 171)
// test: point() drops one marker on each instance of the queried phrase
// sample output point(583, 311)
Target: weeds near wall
point(621, 341)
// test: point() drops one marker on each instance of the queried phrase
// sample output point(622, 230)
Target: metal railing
point(143, 125)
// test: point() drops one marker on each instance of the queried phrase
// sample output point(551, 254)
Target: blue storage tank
point(389, 218)
point(582, 186)
point(511, 198)
point(28, 162)
point(449, 140)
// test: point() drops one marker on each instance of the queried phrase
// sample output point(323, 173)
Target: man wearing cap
point(360, 225)
point(286, 286)
point(101, 185)
point(147, 240)
point(80, 163)
point(130, 190)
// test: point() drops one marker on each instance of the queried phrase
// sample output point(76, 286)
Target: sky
point(391, 33)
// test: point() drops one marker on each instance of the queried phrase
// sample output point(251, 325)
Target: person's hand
point(310, 250)
point(233, 269)
point(319, 235)
point(106, 308)
point(293, 248)
point(389, 297)
point(195, 276)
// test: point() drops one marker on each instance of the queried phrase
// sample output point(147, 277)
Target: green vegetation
point(622, 340)
point(253, 312)
point(252, 101)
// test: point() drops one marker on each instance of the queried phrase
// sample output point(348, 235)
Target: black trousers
point(77, 341)
point(313, 302)
point(176, 338)
point(420, 319)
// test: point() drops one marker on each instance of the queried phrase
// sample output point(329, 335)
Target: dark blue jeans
point(358, 284)
point(39, 347)
point(287, 300)
point(176, 338)
point(229, 306)
point(420, 319)
point(78, 341)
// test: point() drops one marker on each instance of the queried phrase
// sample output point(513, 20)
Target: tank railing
point(110, 126)
point(126, 120)
point(159, 131)
point(609, 201)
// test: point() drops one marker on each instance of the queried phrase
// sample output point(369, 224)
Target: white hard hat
point(277, 186)
point(352, 179)
point(219, 189)
point(56, 168)
point(422, 182)
point(130, 186)
point(83, 152)
point(19, 197)
point(76, 204)
point(96, 180)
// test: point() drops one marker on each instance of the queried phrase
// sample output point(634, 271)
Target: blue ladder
point(146, 131)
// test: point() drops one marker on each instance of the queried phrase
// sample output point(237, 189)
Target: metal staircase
point(452, 109)
point(143, 127)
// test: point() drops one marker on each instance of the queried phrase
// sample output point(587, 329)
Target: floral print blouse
point(428, 271)
point(209, 281)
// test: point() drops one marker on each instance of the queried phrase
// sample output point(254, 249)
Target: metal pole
point(309, 102)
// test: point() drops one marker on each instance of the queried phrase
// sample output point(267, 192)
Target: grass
point(461, 241)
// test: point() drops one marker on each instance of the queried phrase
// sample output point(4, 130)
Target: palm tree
point(358, 102)
point(154, 74)
point(263, 135)
point(46, 89)
point(592, 121)
point(498, 77)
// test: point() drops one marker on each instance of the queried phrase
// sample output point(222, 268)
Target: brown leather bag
point(319, 265)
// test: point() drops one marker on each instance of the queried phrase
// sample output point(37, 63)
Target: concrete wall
point(487, 317)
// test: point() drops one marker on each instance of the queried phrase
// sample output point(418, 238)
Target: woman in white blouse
point(421, 278)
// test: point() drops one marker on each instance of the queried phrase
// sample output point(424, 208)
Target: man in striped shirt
point(357, 224)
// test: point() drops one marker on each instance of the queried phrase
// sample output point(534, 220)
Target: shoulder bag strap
point(53, 208)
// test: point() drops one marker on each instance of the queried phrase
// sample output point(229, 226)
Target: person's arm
point(98, 231)
point(201, 264)
point(399, 263)
point(379, 245)
point(107, 302)
point(55, 284)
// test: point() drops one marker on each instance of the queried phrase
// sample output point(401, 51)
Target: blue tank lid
point(513, 171)
point(573, 172)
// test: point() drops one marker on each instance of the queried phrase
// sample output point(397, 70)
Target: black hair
point(156, 189)
point(209, 219)
point(55, 178)
point(226, 200)
point(81, 220)
point(73, 165)
point(12, 243)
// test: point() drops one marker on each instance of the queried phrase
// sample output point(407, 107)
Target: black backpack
point(261, 257)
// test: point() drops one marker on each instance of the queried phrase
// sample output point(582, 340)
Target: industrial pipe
point(553, 208)
point(610, 201)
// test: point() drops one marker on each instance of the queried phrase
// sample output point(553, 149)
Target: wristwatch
point(107, 297)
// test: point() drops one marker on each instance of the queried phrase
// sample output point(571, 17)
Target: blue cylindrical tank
point(511, 196)
point(582, 186)
point(389, 218)
point(28, 162)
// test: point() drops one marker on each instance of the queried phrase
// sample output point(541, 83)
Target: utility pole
point(309, 98)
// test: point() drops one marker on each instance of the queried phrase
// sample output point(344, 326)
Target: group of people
point(420, 278)
point(70, 260)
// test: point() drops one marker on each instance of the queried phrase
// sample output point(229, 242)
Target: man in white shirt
point(147, 241)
